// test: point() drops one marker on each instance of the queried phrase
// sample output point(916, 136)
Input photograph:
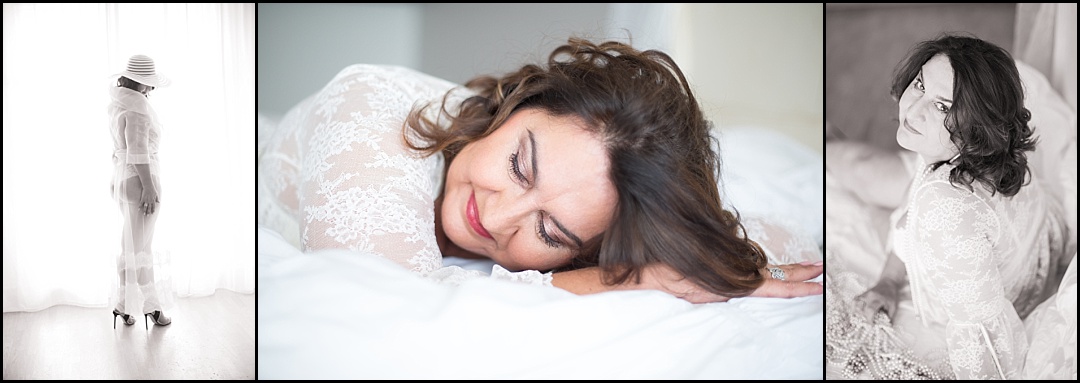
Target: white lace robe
point(335, 174)
point(976, 264)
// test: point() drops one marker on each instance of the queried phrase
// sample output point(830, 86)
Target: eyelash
point(515, 172)
point(515, 169)
point(939, 106)
point(544, 235)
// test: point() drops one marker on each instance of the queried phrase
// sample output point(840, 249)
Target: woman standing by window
point(136, 189)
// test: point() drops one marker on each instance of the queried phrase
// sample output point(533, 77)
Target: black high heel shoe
point(128, 319)
point(158, 317)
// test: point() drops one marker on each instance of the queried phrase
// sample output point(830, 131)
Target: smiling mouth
point(908, 127)
point(473, 216)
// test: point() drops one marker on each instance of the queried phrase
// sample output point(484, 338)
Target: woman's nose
point(913, 112)
point(506, 214)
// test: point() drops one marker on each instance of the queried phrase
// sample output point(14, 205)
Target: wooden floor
point(210, 338)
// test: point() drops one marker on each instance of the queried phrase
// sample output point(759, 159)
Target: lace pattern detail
point(531, 277)
point(782, 239)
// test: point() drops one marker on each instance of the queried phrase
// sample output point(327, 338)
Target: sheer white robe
point(142, 281)
point(976, 265)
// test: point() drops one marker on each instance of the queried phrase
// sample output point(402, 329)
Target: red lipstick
point(474, 217)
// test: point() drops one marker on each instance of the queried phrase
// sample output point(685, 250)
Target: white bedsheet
point(339, 314)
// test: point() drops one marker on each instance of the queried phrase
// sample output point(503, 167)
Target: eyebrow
point(536, 172)
point(577, 241)
point(939, 98)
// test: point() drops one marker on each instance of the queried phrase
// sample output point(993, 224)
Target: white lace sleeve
point(955, 261)
point(456, 275)
point(782, 239)
point(340, 166)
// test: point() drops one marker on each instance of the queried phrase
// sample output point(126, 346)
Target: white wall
point(756, 65)
point(464, 40)
point(302, 46)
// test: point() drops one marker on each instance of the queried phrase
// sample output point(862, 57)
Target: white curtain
point(1045, 38)
point(62, 230)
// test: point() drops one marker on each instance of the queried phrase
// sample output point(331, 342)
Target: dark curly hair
point(663, 166)
point(988, 121)
point(125, 82)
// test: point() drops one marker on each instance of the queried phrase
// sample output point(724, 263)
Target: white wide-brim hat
point(141, 69)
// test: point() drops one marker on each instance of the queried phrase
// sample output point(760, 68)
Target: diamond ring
point(777, 273)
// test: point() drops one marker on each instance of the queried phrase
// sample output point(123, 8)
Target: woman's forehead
point(937, 74)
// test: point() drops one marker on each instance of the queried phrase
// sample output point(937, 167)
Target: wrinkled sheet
point(337, 314)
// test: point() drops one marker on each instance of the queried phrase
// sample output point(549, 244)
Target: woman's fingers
point(869, 305)
point(147, 208)
point(871, 302)
point(794, 283)
point(798, 272)
point(775, 288)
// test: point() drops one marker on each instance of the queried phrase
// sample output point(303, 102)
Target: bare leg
point(142, 232)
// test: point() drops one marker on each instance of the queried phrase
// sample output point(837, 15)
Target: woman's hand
point(149, 200)
point(882, 297)
point(795, 284)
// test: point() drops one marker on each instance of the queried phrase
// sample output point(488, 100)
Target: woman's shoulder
point(393, 76)
point(938, 183)
point(938, 195)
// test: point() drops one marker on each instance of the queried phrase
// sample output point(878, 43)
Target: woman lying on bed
point(973, 238)
point(592, 172)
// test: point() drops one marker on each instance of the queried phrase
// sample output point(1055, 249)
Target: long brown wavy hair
point(663, 165)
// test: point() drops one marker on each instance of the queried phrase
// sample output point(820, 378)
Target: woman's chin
point(902, 139)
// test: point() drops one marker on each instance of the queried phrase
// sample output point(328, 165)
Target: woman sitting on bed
point(592, 172)
point(974, 237)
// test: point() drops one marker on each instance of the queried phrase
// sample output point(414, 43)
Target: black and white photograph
point(540, 191)
point(128, 145)
point(950, 191)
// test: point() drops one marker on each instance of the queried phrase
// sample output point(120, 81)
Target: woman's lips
point(911, 129)
point(474, 217)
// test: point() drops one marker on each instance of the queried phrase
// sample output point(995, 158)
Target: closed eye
point(515, 169)
point(542, 231)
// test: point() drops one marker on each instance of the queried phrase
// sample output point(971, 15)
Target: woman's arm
point(588, 281)
point(985, 336)
point(359, 186)
point(137, 136)
point(875, 175)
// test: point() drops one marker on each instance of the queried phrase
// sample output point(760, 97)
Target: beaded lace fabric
point(861, 348)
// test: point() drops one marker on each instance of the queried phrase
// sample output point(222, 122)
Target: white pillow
point(1055, 126)
point(338, 314)
point(1068, 182)
point(766, 173)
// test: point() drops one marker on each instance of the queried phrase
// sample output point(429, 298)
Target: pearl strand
point(863, 348)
